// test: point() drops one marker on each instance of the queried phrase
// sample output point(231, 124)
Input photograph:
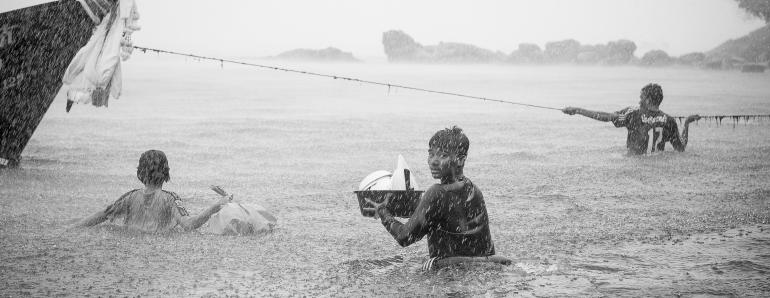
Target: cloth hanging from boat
point(96, 9)
point(95, 73)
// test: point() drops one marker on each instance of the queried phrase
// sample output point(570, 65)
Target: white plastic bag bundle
point(241, 219)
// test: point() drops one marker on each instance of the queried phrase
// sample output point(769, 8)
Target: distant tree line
point(758, 8)
point(750, 49)
point(400, 47)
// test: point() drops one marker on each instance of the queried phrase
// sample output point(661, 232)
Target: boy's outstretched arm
point(597, 115)
point(414, 229)
point(92, 220)
point(679, 141)
point(190, 223)
point(116, 208)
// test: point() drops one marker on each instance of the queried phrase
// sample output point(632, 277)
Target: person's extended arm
point(92, 220)
point(414, 229)
point(680, 141)
point(597, 115)
point(190, 223)
point(120, 206)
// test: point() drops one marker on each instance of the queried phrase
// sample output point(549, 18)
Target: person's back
point(457, 223)
point(149, 211)
point(648, 127)
point(152, 209)
point(648, 130)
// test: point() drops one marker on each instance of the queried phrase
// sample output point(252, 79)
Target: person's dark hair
point(451, 140)
point(654, 92)
point(153, 168)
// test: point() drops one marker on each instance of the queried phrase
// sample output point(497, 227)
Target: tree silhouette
point(758, 8)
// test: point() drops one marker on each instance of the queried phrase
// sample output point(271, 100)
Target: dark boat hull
point(36, 45)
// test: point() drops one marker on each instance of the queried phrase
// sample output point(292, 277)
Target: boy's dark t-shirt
point(455, 221)
point(648, 131)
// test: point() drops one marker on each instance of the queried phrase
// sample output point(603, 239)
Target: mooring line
point(718, 118)
point(337, 77)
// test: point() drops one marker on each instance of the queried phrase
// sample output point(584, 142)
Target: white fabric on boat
point(96, 67)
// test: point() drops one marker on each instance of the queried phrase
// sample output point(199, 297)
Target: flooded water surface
point(578, 217)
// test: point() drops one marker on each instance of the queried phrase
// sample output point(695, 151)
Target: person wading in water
point(649, 128)
point(452, 213)
point(153, 209)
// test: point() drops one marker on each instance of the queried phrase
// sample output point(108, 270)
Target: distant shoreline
point(747, 54)
point(376, 60)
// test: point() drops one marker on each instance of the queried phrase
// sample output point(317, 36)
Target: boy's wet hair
point(450, 140)
point(654, 92)
point(153, 168)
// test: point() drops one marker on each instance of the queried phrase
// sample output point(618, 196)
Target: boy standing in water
point(649, 128)
point(153, 209)
point(452, 214)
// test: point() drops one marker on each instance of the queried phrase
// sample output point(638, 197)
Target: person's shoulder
point(669, 119)
point(472, 184)
point(434, 191)
point(624, 116)
point(172, 195)
point(176, 200)
point(122, 203)
point(474, 187)
point(129, 194)
point(435, 188)
point(628, 110)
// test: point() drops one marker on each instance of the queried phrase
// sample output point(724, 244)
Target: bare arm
point(120, 206)
point(414, 229)
point(596, 115)
point(190, 223)
point(92, 220)
point(680, 140)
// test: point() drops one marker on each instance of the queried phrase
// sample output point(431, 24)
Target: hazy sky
point(268, 27)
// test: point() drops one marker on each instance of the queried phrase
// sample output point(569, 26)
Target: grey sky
point(268, 27)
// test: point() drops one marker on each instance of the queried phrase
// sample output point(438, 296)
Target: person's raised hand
point(692, 118)
point(223, 200)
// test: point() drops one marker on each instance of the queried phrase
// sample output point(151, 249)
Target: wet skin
point(446, 166)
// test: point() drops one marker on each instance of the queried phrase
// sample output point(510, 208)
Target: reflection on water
point(578, 216)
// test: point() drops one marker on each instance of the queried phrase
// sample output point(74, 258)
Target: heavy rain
point(293, 134)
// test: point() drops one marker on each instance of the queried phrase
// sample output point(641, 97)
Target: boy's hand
point(377, 206)
point(570, 110)
point(223, 200)
point(692, 118)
